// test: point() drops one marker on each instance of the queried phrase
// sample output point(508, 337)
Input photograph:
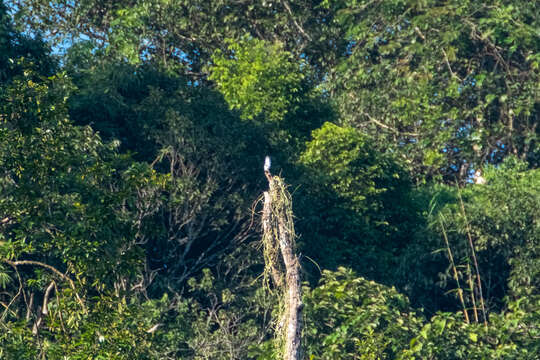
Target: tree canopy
point(132, 141)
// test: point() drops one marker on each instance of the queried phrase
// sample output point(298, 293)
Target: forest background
point(131, 174)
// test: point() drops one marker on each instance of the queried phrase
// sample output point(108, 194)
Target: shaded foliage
point(450, 85)
point(350, 194)
point(131, 163)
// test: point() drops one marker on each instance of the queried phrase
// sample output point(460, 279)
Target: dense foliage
point(132, 140)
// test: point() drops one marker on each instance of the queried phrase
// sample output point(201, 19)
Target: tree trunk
point(278, 231)
point(293, 340)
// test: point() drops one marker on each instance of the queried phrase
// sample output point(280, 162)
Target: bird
point(267, 163)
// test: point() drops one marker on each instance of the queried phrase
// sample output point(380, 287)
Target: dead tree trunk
point(279, 239)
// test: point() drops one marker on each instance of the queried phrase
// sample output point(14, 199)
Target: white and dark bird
point(267, 164)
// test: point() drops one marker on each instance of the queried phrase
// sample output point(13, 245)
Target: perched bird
point(267, 163)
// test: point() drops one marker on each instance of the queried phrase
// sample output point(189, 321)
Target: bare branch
point(383, 125)
point(302, 31)
point(448, 65)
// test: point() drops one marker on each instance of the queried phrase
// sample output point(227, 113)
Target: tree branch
point(52, 269)
point(448, 65)
point(383, 125)
point(302, 31)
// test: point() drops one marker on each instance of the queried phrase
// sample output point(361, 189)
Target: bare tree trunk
point(293, 340)
point(279, 233)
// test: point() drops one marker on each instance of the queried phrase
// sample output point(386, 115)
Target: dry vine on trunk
point(284, 270)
